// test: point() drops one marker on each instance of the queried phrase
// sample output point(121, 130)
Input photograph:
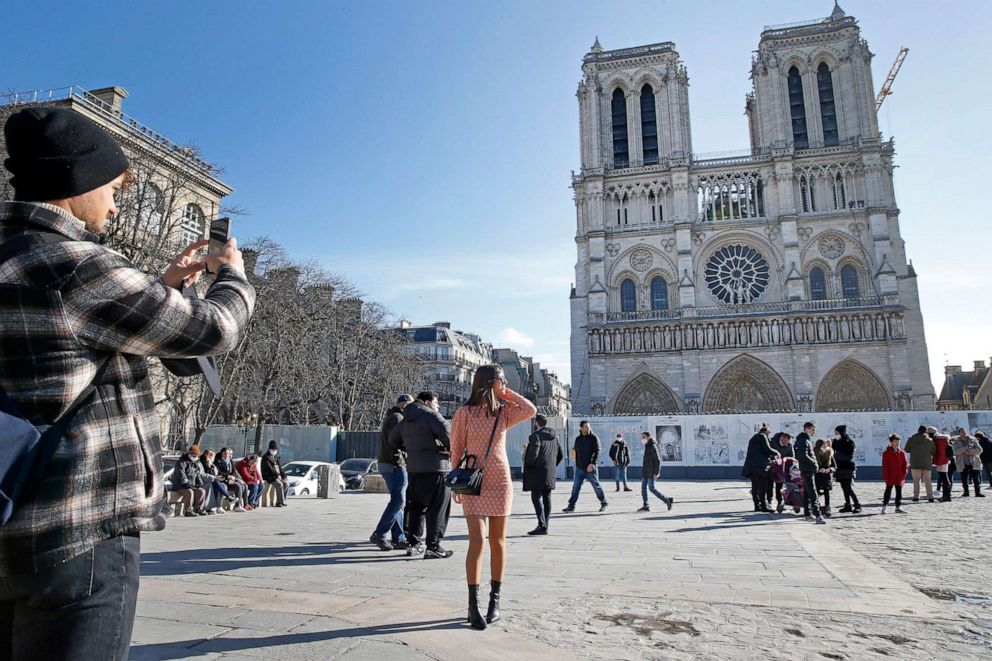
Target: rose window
point(737, 274)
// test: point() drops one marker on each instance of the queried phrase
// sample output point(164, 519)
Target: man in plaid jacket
point(69, 557)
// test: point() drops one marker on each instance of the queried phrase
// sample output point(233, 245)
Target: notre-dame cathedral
point(776, 280)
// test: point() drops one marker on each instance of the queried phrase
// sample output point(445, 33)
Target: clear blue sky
point(423, 149)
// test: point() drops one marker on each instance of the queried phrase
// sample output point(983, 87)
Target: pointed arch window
point(828, 112)
point(621, 154)
point(817, 284)
point(849, 282)
point(649, 126)
point(659, 293)
point(628, 296)
point(797, 108)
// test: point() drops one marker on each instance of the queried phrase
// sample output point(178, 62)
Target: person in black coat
point(273, 473)
point(620, 456)
point(650, 471)
point(847, 470)
point(542, 454)
point(759, 457)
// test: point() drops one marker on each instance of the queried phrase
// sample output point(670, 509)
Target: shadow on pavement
point(196, 561)
point(188, 648)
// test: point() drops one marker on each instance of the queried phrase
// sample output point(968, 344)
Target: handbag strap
point(492, 435)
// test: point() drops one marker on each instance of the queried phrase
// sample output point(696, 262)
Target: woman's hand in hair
point(500, 389)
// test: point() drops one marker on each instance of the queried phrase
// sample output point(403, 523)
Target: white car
point(302, 476)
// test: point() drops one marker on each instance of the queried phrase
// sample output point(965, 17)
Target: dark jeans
point(392, 517)
point(542, 505)
point(577, 480)
point(988, 472)
point(253, 493)
point(647, 484)
point(974, 476)
point(772, 487)
point(944, 485)
point(427, 497)
point(759, 490)
point(620, 474)
point(888, 492)
point(78, 611)
point(847, 486)
point(810, 502)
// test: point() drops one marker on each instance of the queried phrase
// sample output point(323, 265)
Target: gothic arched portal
point(850, 386)
point(747, 385)
point(645, 395)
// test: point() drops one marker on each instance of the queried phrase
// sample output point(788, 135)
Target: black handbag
point(466, 478)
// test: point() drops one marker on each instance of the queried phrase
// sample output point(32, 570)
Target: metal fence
point(364, 444)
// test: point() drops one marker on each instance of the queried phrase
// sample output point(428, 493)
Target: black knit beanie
point(55, 153)
point(841, 429)
point(273, 445)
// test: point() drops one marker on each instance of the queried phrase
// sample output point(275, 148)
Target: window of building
point(628, 296)
point(191, 229)
point(817, 284)
point(659, 294)
point(849, 282)
point(621, 155)
point(828, 113)
point(649, 126)
point(797, 107)
point(807, 193)
point(838, 191)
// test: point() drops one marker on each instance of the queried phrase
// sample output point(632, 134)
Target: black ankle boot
point(474, 615)
point(492, 615)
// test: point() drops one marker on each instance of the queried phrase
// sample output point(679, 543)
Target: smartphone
point(220, 232)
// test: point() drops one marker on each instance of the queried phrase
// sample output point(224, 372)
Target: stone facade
point(966, 390)
point(776, 280)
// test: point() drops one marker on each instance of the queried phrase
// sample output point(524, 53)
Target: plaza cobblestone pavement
point(708, 580)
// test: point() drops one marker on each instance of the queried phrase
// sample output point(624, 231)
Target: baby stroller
point(786, 472)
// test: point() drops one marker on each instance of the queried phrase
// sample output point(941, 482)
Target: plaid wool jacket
point(68, 303)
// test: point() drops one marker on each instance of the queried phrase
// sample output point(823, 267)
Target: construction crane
point(887, 87)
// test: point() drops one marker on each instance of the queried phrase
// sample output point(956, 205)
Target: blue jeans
point(581, 476)
point(620, 473)
point(392, 516)
point(647, 484)
point(254, 493)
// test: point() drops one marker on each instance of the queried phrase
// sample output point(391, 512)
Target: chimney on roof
point(952, 369)
point(443, 324)
point(406, 323)
point(112, 97)
point(979, 364)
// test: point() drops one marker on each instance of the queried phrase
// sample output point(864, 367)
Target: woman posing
point(492, 408)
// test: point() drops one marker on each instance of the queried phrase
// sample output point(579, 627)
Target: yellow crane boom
point(887, 87)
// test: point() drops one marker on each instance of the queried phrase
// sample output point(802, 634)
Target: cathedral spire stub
point(596, 46)
point(837, 13)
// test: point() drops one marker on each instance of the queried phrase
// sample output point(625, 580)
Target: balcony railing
point(782, 307)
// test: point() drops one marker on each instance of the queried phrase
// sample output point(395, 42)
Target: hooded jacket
point(387, 453)
point(620, 452)
point(543, 454)
point(425, 437)
point(651, 465)
point(187, 474)
point(967, 452)
point(942, 450)
point(894, 466)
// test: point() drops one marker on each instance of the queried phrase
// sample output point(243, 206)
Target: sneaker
point(437, 552)
point(856, 510)
point(900, 510)
point(568, 509)
point(884, 509)
point(669, 503)
point(916, 500)
point(602, 507)
point(979, 495)
point(415, 551)
point(845, 510)
point(381, 543)
point(190, 513)
point(219, 510)
point(239, 508)
point(821, 521)
point(540, 530)
point(627, 489)
point(400, 545)
point(644, 509)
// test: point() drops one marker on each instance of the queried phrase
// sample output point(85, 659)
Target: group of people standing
point(772, 462)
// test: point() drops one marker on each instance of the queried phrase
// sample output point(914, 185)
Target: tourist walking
point(942, 462)
point(921, 451)
point(757, 463)
point(80, 319)
point(542, 454)
point(986, 456)
point(808, 467)
point(392, 467)
point(824, 478)
point(425, 437)
point(273, 474)
point(847, 470)
point(479, 429)
point(895, 463)
point(968, 455)
point(620, 456)
point(651, 471)
point(586, 449)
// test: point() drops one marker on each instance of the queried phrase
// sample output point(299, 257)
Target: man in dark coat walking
point(847, 470)
point(586, 457)
point(392, 467)
point(650, 471)
point(542, 454)
point(620, 456)
point(759, 457)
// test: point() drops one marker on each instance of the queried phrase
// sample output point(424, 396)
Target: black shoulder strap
point(492, 435)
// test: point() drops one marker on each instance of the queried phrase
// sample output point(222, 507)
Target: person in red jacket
point(895, 464)
point(941, 461)
point(248, 470)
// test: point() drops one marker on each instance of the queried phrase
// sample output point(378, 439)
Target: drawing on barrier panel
point(980, 421)
point(669, 439)
point(711, 440)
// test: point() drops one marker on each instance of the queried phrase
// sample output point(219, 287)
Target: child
point(824, 475)
point(895, 463)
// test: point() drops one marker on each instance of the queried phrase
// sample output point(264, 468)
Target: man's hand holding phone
point(229, 255)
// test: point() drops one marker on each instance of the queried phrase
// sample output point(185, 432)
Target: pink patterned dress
point(471, 427)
